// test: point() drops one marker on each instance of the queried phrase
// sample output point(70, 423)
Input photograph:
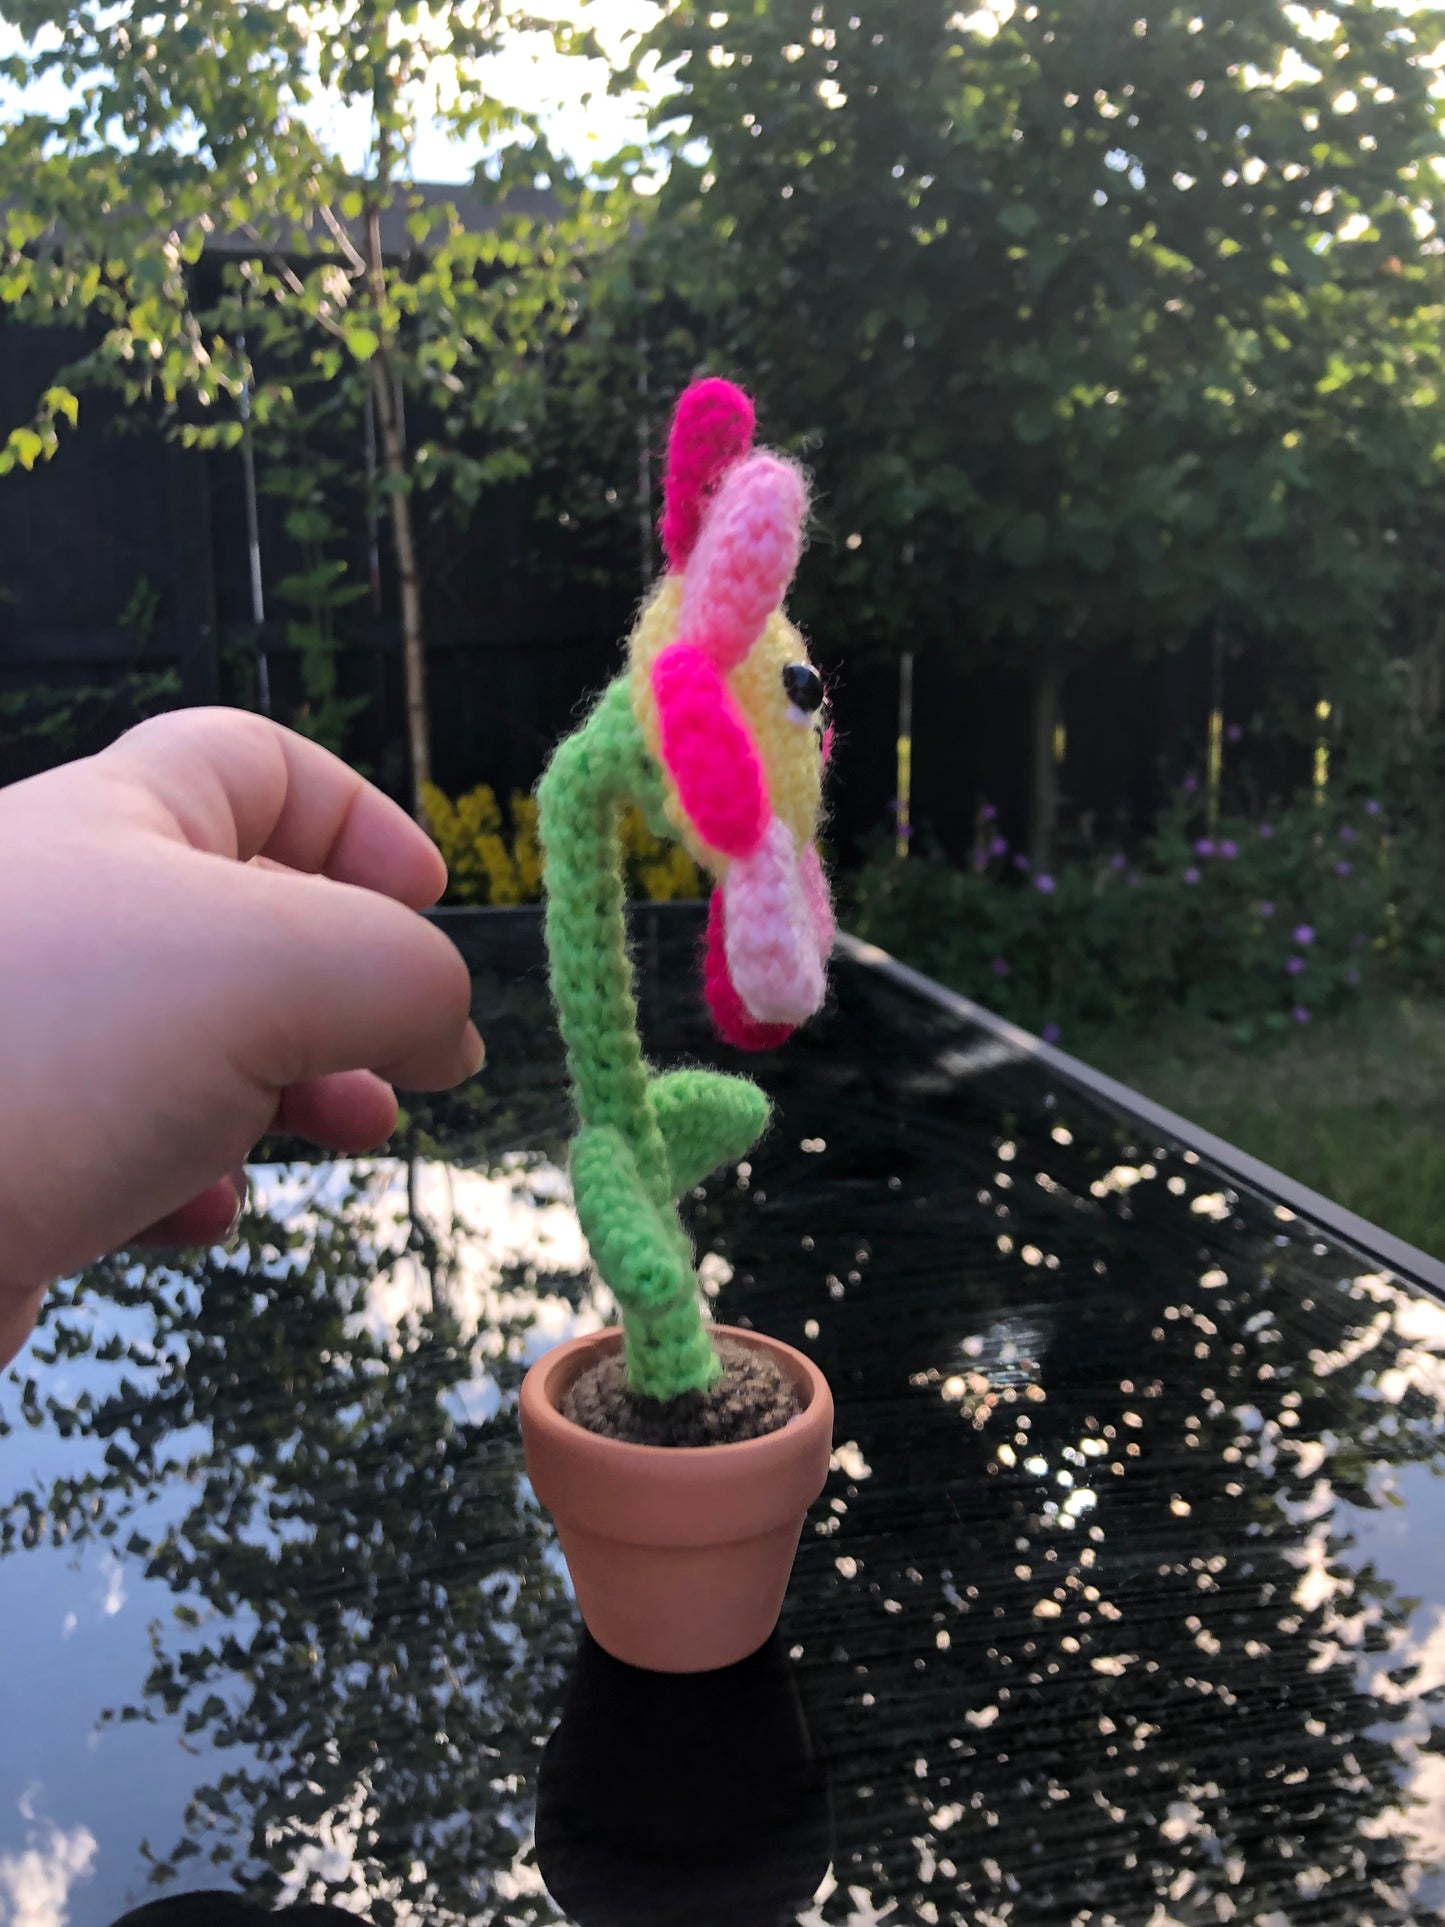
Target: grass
point(1354, 1108)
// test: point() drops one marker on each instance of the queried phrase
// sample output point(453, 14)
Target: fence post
point(903, 808)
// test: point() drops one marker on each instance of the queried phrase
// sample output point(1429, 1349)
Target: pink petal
point(770, 938)
point(744, 558)
point(728, 1010)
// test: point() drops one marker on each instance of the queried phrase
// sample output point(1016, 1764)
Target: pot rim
point(552, 1375)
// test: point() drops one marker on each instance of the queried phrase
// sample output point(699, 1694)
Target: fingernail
point(240, 1184)
point(476, 1050)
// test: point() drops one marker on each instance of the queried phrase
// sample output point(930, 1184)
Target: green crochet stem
point(643, 1139)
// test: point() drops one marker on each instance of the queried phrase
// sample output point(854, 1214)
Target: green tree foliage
point(191, 127)
point(1094, 322)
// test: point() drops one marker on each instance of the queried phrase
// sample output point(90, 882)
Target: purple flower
point(1304, 936)
point(1021, 862)
point(1133, 879)
point(1265, 908)
point(1051, 1033)
point(1352, 977)
point(1204, 847)
point(998, 846)
point(980, 862)
point(1343, 869)
point(1300, 1014)
point(1191, 875)
point(1372, 808)
point(1117, 861)
point(1189, 785)
point(987, 813)
point(1044, 884)
point(1266, 830)
point(1295, 966)
point(1229, 851)
point(1234, 734)
point(999, 966)
point(1347, 835)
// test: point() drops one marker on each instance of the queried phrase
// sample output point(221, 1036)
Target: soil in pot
point(752, 1398)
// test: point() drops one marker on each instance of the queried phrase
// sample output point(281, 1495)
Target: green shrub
point(1264, 925)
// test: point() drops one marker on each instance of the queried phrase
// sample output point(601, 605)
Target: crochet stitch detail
point(736, 1025)
point(771, 948)
point(708, 753)
point(744, 558)
point(712, 429)
point(700, 735)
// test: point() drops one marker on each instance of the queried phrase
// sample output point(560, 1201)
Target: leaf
point(307, 523)
point(1024, 541)
point(312, 588)
point(1088, 534)
point(363, 342)
point(1036, 421)
point(25, 447)
point(60, 401)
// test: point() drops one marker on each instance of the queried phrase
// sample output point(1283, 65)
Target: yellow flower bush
point(493, 861)
point(480, 856)
point(657, 870)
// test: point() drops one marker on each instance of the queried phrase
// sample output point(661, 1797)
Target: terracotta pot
point(679, 1555)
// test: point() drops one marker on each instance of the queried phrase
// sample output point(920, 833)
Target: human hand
point(210, 933)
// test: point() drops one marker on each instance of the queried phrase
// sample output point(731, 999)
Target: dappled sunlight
point(1122, 1594)
point(489, 1238)
point(569, 94)
point(326, 1863)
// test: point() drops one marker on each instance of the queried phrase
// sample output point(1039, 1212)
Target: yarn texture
point(745, 556)
point(712, 428)
point(735, 1022)
point(771, 951)
point(707, 750)
point(698, 732)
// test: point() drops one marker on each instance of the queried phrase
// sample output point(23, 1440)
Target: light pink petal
point(729, 1012)
point(771, 945)
point(744, 558)
point(819, 900)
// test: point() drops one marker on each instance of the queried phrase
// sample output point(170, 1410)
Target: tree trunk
point(398, 495)
point(1044, 768)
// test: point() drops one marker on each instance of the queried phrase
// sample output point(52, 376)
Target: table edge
point(1368, 1239)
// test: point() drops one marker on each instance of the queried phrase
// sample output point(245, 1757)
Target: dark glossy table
point(1125, 1601)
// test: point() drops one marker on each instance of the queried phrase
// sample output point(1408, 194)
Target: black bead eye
point(803, 687)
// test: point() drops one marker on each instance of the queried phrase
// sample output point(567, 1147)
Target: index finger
point(238, 785)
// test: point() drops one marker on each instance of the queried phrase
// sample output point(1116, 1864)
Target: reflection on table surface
point(1125, 1601)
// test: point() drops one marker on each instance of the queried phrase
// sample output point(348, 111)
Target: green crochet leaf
point(706, 1119)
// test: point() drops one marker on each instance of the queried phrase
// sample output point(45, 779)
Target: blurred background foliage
point(1112, 337)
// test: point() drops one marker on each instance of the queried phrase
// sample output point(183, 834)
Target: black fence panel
point(126, 560)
